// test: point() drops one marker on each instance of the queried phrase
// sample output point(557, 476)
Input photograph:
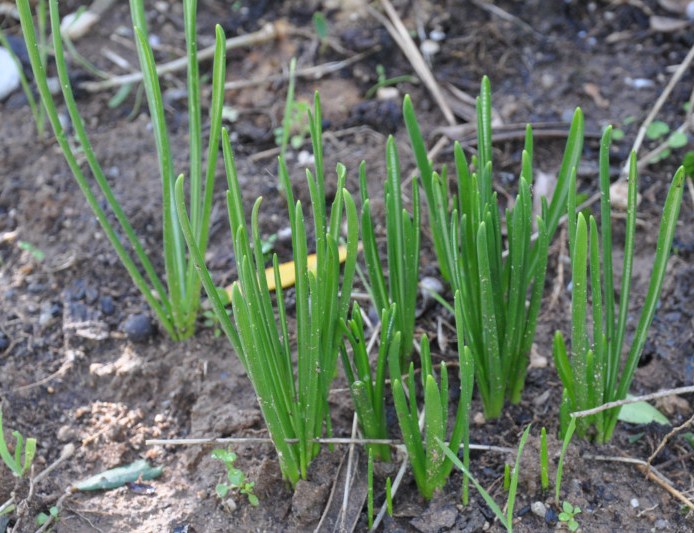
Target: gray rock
point(138, 327)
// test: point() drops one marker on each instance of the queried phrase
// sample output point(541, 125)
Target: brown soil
point(69, 376)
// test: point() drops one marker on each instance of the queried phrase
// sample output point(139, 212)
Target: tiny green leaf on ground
point(688, 163)
point(657, 129)
point(642, 413)
point(678, 139)
point(617, 134)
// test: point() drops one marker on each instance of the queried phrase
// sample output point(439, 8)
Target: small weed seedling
point(236, 479)
point(43, 518)
point(495, 286)
point(27, 448)
point(568, 516)
point(595, 373)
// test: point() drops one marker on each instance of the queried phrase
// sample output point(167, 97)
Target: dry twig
point(609, 405)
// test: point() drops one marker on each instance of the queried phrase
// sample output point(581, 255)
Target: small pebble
point(90, 295)
point(479, 419)
point(437, 35)
point(634, 502)
point(661, 524)
point(551, 517)
point(429, 48)
point(388, 93)
point(639, 83)
point(4, 342)
point(538, 509)
point(106, 304)
point(77, 24)
point(9, 74)
point(138, 327)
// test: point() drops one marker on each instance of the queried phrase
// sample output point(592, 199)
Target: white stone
point(9, 74)
point(76, 25)
point(538, 509)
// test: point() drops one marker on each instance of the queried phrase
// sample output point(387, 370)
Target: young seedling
point(544, 461)
point(236, 479)
point(429, 467)
point(499, 323)
point(568, 516)
point(370, 489)
point(177, 303)
point(26, 448)
point(403, 237)
point(294, 402)
point(595, 373)
point(53, 515)
point(505, 519)
point(560, 466)
point(368, 389)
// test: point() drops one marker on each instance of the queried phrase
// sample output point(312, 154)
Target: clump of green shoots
point(367, 388)
point(495, 286)
point(27, 448)
point(429, 466)
point(594, 373)
point(403, 237)
point(175, 304)
point(294, 402)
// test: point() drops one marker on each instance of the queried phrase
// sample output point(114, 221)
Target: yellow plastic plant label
point(287, 272)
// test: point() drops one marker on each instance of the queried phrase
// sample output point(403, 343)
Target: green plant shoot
point(27, 448)
point(403, 238)
point(498, 323)
point(595, 373)
point(368, 389)
point(430, 468)
point(176, 305)
point(294, 402)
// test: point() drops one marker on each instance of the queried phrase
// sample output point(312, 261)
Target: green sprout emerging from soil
point(236, 478)
point(568, 516)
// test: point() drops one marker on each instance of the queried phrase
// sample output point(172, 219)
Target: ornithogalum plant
point(495, 286)
point(593, 372)
point(367, 387)
point(175, 304)
point(293, 400)
point(430, 466)
point(402, 236)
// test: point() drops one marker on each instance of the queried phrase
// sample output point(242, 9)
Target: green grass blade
point(560, 466)
point(206, 279)
point(666, 234)
point(485, 495)
point(611, 357)
point(160, 308)
point(514, 480)
point(629, 244)
point(174, 247)
point(579, 302)
point(435, 430)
